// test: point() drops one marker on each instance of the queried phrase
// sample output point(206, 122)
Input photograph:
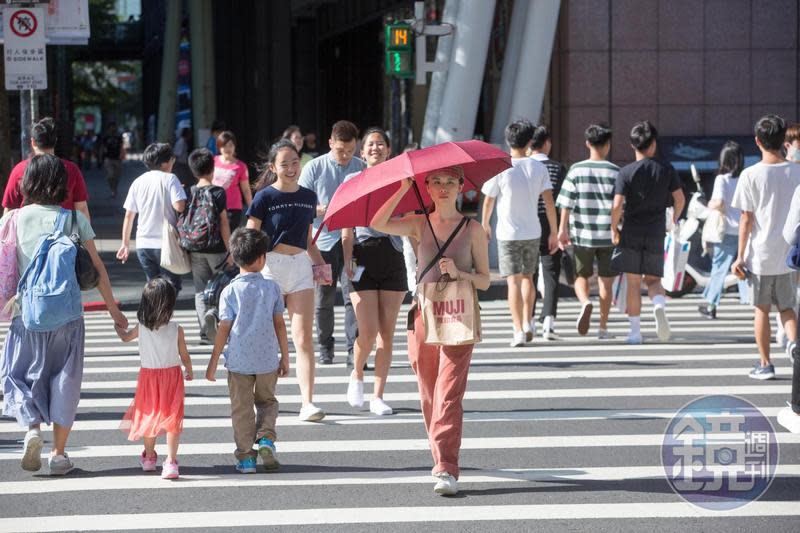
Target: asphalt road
point(559, 436)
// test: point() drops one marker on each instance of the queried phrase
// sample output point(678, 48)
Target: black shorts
point(384, 267)
point(639, 253)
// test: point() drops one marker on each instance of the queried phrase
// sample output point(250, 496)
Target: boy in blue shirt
point(254, 336)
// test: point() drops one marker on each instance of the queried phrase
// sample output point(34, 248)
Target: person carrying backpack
point(205, 233)
point(42, 364)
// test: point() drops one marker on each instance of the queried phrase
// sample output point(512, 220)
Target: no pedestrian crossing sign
point(25, 58)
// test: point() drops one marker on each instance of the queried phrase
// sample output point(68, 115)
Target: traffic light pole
point(422, 30)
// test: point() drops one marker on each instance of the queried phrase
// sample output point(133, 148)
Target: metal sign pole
point(25, 121)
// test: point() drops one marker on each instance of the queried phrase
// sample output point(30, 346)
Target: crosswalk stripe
point(536, 347)
point(386, 515)
point(393, 445)
point(201, 382)
point(409, 418)
point(398, 362)
point(610, 392)
point(198, 481)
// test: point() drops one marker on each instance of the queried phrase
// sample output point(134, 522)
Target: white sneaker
point(550, 335)
point(379, 407)
point(529, 333)
point(355, 392)
point(634, 338)
point(780, 333)
point(311, 413)
point(662, 324)
point(790, 346)
point(789, 420)
point(604, 335)
point(446, 485)
point(60, 465)
point(32, 450)
point(519, 339)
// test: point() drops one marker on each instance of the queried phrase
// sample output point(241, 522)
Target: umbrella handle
point(425, 212)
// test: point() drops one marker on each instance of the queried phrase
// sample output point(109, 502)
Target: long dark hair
point(157, 303)
point(731, 159)
point(266, 177)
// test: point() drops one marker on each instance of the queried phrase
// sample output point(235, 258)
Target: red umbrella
point(357, 200)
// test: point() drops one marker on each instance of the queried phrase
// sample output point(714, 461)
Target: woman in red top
point(232, 175)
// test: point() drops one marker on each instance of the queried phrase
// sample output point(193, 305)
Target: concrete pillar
point(534, 65)
point(168, 96)
point(462, 89)
point(438, 79)
point(198, 49)
point(511, 61)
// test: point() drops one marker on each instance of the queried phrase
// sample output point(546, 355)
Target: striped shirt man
point(557, 173)
point(588, 192)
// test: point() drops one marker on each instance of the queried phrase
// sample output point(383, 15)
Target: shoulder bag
point(173, 257)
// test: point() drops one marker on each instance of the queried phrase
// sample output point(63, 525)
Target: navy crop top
point(285, 216)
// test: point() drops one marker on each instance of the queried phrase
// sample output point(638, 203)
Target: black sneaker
point(325, 359)
point(707, 311)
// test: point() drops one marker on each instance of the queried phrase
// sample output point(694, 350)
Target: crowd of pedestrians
point(612, 221)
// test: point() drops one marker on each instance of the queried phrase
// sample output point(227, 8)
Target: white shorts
point(292, 273)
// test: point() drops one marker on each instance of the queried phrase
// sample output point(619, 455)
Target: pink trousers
point(442, 379)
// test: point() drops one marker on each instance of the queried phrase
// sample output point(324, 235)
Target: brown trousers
point(248, 391)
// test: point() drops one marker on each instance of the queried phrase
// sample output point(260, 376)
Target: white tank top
point(159, 348)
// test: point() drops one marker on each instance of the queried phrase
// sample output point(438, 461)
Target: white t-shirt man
point(767, 191)
point(517, 190)
point(146, 197)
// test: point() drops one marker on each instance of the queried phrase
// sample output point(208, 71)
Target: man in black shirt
point(645, 187)
point(551, 264)
point(114, 155)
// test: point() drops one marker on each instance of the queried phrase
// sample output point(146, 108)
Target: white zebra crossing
point(550, 373)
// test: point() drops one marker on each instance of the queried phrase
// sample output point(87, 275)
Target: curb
point(97, 306)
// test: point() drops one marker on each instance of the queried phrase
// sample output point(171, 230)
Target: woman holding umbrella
point(441, 369)
point(379, 286)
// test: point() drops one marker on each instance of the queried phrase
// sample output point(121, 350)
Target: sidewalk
point(128, 279)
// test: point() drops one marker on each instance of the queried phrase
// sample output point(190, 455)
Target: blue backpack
point(48, 290)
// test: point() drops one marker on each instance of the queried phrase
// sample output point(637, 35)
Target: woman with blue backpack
point(42, 363)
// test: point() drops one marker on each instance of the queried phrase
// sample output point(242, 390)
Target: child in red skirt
point(158, 404)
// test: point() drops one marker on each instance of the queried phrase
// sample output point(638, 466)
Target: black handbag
point(87, 274)
point(222, 277)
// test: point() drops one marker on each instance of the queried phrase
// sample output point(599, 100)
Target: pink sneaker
point(169, 469)
point(148, 463)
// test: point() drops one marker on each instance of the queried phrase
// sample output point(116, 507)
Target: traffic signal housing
point(399, 50)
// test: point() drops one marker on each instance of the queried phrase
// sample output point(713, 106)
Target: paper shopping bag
point(450, 312)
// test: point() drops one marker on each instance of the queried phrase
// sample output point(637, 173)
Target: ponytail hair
point(266, 177)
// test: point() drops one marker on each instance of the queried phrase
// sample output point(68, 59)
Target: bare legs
point(376, 313)
point(173, 440)
point(301, 316)
point(521, 294)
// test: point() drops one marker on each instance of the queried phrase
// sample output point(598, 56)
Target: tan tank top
point(460, 251)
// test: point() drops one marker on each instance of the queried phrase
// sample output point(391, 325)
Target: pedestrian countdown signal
point(399, 50)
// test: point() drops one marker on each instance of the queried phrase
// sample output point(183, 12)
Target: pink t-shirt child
point(228, 176)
